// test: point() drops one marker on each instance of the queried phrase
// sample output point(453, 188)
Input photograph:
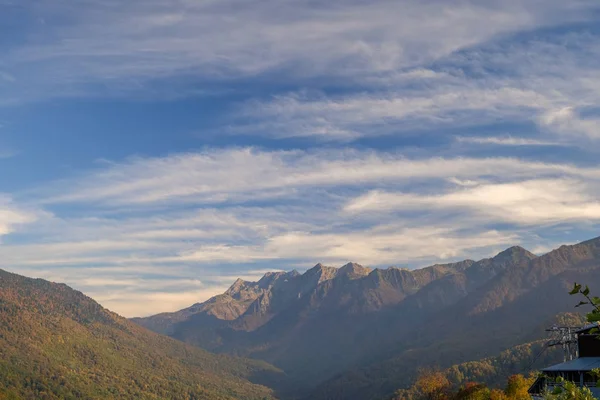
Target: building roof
point(588, 327)
point(579, 364)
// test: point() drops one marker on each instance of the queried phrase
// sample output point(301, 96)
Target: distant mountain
point(326, 321)
point(56, 343)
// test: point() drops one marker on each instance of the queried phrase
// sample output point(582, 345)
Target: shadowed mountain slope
point(328, 320)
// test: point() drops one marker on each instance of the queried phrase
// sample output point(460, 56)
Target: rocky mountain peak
point(242, 290)
point(320, 273)
point(353, 271)
point(293, 273)
point(238, 285)
point(271, 279)
point(317, 267)
point(514, 254)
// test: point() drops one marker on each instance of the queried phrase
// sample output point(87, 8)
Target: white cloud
point(198, 220)
point(567, 121)
point(352, 116)
point(531, 79)
point(506, 141)
point(533, 202)
point(164, 239)
point(240, 175)
point(317, 181)
point(386, 244)
point(12, 216)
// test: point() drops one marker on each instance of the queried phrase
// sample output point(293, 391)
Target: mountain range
point(328, 333)
point(360, 333)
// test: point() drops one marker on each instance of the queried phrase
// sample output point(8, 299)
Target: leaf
point(593, 317)
point(586, 291)
point(576, 289)
point(582, 303)
point(595, 301)
point(557, 390)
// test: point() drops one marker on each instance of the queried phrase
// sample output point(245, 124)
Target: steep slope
point(229, 306)
point(56, 343)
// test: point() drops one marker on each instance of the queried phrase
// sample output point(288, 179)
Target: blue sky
point(153, 151)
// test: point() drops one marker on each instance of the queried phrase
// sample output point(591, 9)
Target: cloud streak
point(244, 174)
point(506, 141)
point(127, 45)
point(534, 202)
point(533, 79)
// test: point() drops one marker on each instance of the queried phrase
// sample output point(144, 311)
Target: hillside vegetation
point(56, 343)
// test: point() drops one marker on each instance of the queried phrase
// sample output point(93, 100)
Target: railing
point(543, 384)
point(589, 384)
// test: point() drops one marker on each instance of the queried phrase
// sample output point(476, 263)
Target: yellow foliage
point(432, 385)
point(497, 394)
point(517, 386)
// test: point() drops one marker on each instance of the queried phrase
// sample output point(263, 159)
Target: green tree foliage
point(593, 301)
point(570, 391)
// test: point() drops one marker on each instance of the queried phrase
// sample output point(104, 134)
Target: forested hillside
point(56, 343)
point(494, 371)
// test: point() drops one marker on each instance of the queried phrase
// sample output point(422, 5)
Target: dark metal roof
point(579, 364)
point(587, 328)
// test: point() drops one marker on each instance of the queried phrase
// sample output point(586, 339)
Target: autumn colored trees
point(434, 385)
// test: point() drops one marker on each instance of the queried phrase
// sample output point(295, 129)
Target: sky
point(151, 152)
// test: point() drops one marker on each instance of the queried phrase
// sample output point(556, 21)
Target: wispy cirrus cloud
point(223, 212)
point(522, 79)
point(350, 117)
point(506, 141)
point(244, 174)
point(127, 45)
point(531, 202)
